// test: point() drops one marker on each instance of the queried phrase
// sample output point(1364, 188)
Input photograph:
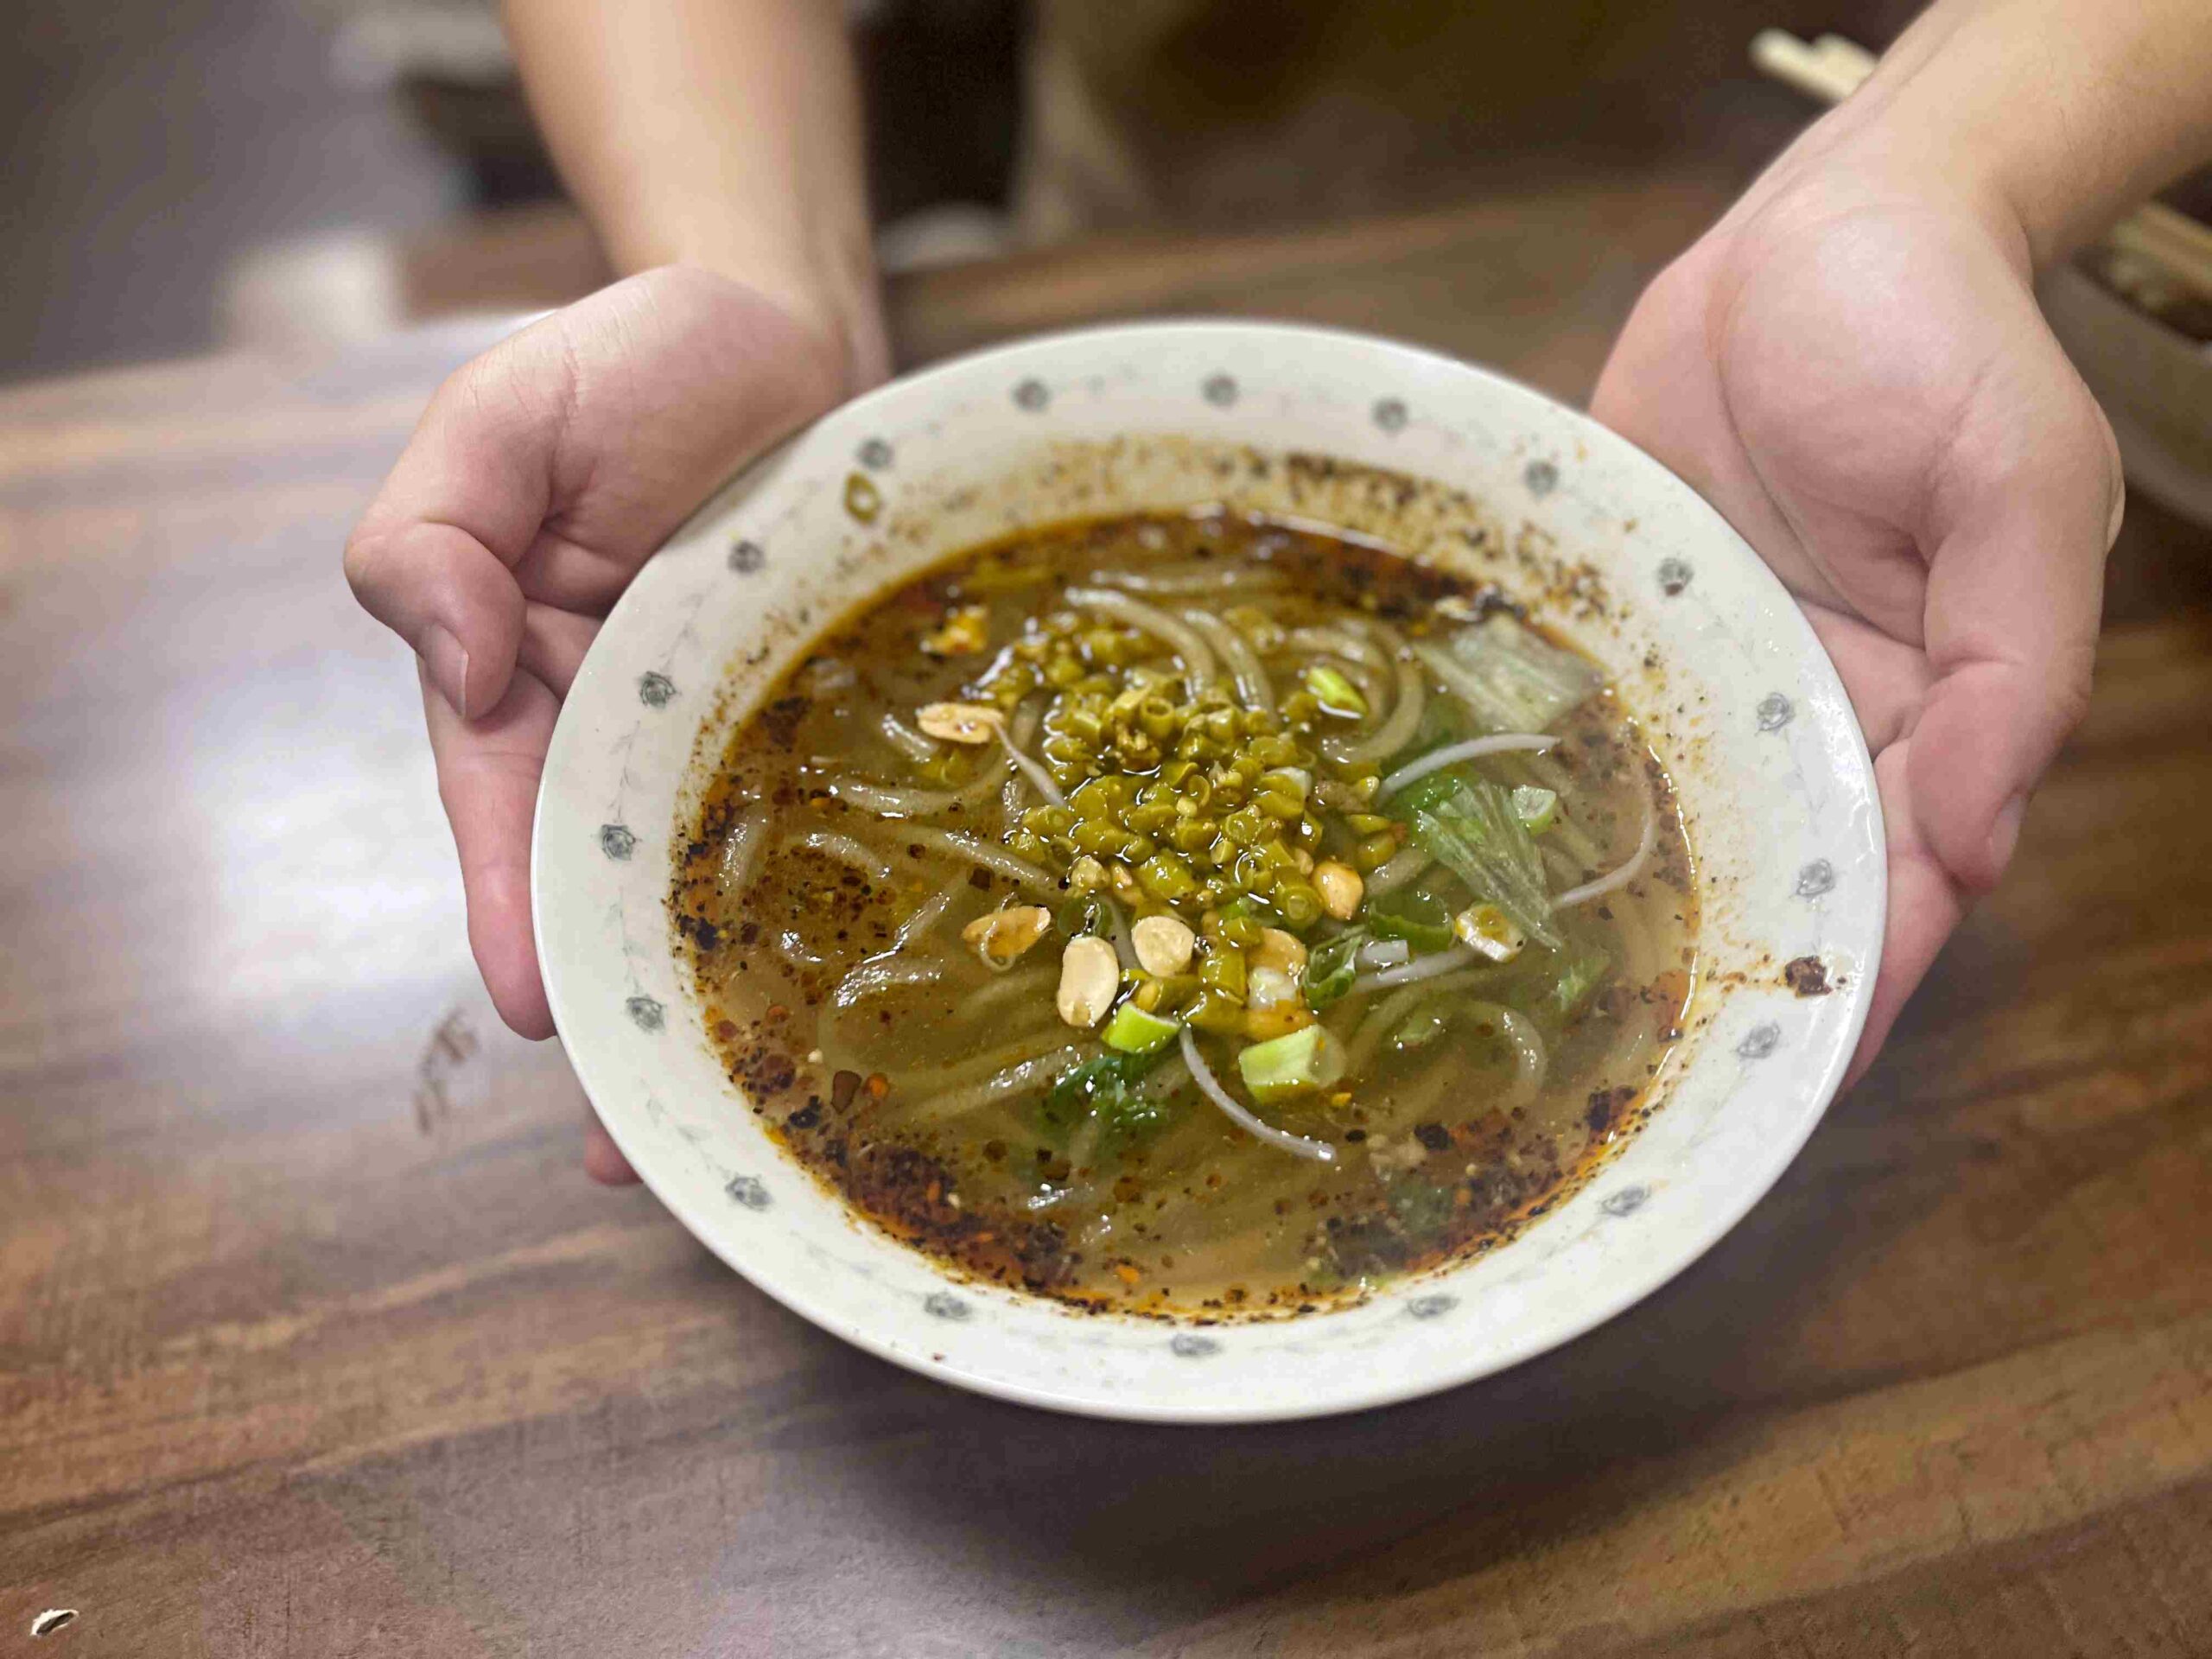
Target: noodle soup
point(1190, 914)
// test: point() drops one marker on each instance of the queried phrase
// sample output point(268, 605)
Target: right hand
point(542, 475)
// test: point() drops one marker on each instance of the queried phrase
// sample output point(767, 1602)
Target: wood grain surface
point(314, 1339)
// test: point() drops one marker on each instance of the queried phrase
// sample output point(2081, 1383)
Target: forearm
point(719, 133)
point(2058, 115)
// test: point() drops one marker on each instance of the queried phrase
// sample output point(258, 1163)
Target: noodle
point(741, 854)
point(1178, 637)
point(984, 855)
point(843, 849)
point(1198, 577)
point(916, 747)
point(1024, 1074)
point(1253, 689)
point(1393, 733)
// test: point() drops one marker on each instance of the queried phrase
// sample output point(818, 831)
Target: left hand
point(1851, 367)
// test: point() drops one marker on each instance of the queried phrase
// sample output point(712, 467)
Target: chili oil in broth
point(825, 886)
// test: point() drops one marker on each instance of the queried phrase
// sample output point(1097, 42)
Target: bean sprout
point(1319, 1151)
point(1621, 877)
point(1452, 753)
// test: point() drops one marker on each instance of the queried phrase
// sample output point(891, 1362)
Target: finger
point(1925, 907)
point(1887, 679)
point(449, 597)
point(553, 645)
point(488, 771)
point(603, 1160)
point(2022, 516)
point(433, 558)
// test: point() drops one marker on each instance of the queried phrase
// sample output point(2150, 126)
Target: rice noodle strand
point(1319, 1152)
point(993, 859)
point(1395, 733)
point(877, 975)
point(1022, 1074)
point(1253, 689)
point(1178, 637)
point(843, 850)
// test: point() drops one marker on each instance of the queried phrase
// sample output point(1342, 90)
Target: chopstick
point(1831, 69)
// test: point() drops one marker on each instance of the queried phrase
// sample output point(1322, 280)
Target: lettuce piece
point(1576, 973)
point(1510, 678)
point(1472, 830)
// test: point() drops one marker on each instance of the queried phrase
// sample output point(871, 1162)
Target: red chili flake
point(878, 1085)
point(776, 1011)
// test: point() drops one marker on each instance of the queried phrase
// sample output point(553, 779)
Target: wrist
point(1975, 109)
point(825, 283)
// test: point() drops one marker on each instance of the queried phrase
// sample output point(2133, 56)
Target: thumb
point(433, 557)
point(2022, 509)
point(454, 601)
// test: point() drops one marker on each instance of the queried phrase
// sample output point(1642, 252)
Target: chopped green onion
point(1331, 967)
point(1420, 918)
point(1537, 809)
point(1337, 695)
point(1133, 1031)
point(1283, 1066)
point(1489, 932)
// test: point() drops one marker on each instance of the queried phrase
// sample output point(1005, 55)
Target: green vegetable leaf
point(1107, 1087)
point(1576, 973)
point(1418, 917)
point(1331, 967)
point(1474, 831)
point(1510, 678)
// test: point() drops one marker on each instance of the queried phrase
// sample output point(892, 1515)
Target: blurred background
point(208, 172)
point(288, 175)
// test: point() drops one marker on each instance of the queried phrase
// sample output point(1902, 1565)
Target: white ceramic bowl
point(1700, 639)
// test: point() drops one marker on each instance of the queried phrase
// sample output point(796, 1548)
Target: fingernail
point(2005, 835)
point(449, 667)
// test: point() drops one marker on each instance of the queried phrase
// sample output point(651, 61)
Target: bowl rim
point(1505, 1352)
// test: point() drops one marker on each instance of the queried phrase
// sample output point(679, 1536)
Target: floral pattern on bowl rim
point(1771, 769)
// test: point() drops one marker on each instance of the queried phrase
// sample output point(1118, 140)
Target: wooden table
point(314, 1339)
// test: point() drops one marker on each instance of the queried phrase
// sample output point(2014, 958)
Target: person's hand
point(543, 474)
point(1852, 369)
